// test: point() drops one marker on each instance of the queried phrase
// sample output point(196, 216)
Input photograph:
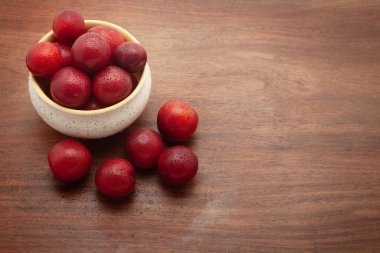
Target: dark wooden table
point(288, 96)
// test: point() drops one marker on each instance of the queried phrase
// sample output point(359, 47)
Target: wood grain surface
point(288, 96)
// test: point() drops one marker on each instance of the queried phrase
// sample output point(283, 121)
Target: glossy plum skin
point(70, 87)
point(93, 104)
point(176, 121)
point(113, 37)
point(69, 160)
point(111, 85)
point(66, 54)
point(177, 165)
point(116, 178)
point(130, 56)
point(91, 52)
point(143, 147)
point(44, 59)
point(68, 26)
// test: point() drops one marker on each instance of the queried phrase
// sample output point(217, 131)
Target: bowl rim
point(89, 24)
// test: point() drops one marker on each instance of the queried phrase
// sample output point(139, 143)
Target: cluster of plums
point(69, 160)
point(93, 69)
point(88, 69)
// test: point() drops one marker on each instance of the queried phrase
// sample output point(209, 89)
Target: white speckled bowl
point(97, 123)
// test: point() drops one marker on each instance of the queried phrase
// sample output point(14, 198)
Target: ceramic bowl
point(96, 123)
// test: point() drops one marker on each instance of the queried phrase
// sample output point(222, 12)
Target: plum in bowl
point(92, 124)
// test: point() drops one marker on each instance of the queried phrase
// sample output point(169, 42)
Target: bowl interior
point(41, 84)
